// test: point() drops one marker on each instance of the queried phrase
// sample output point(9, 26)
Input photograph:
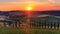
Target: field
point(46, 31)
point(4, 30)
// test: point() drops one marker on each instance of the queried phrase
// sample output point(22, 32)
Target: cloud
point(27, 0)
point(8, 1)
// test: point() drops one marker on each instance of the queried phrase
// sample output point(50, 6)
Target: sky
point(35, 4)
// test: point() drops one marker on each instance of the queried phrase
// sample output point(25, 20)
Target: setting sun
point(29, 8)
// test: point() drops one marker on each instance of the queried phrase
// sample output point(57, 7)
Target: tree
point(17, 19)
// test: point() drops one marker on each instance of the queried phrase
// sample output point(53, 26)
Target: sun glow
point(28, 8)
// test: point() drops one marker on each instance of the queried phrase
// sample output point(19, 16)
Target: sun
point(29, 8)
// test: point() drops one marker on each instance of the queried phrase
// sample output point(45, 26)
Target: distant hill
point(49, 12)
point(11, 13)
point(33, 13)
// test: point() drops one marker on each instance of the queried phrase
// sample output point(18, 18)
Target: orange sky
point(34, 5)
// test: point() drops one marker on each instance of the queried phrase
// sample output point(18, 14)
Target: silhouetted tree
point(54, 25)
point(58, 24)
point(45, 23)
point(17, 19)
point(51, 25)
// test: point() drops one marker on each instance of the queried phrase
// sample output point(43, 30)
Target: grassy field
point(4, 30)
point(46, 31)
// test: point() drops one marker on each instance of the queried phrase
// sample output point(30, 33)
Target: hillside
point(45, 20)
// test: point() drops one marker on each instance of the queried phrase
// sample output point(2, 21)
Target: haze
point(36, 4)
